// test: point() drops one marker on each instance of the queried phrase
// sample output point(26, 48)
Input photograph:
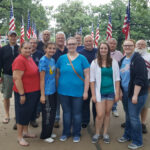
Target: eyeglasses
point(71, 44)
point(125, 46)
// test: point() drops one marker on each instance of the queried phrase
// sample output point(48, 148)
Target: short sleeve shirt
point(69, 84)
point(48, 65)
point(31, 77)
point(125, 73)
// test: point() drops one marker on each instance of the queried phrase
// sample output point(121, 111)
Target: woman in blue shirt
point(72, 68)
point(134, 87)
point(48, 91)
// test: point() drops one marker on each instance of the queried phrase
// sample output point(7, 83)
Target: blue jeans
point(133, 129)
point(72, 114)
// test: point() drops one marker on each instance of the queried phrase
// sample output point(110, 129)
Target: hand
point(85, 96)
point(42, 99)
point(1, 80)
point(116, 98)
point(94, 99)
point(134, 99)
point(22, 99)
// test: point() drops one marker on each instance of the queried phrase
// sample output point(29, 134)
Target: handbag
point(74, 69)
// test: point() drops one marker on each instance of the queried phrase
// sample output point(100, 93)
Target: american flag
point(28, 27)
point(22, 32)
point(92, 33)
point(12, 26)
point(34, 33)
point(97, 36)
point(126, 25)
point(80, 30)
point(109, 28)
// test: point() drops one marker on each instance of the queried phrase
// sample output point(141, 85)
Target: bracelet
point(22, 94)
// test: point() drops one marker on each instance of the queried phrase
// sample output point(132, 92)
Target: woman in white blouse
point(105, 85)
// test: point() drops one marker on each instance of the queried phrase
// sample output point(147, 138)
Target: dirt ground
point(8, 136)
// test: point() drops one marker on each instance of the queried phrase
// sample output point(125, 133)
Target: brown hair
point(49, 43)
point(131, 40)
point(22, 45)
point(99, 57)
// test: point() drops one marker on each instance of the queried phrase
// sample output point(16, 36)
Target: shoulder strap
point(74, 69)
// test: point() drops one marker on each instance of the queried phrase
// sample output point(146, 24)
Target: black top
point(138, 75)
point(7, 56)
point(90, 55)
point(59, 53)
point(37, 56)
point(40, 46)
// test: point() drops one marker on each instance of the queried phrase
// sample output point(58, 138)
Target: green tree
point(71, 16)
point(37, 12)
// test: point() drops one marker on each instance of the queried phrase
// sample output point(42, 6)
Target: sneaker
point(144, 129)
point(53, 135)
point(115, 113)
point(106, 138)
point(56, 124)
point(63, 138)
point(49, 140)
point(123, 125)
point(95, 138)
point(134, 146)
point(34, 124)
point(123, 139)
point(76, 139)
point(84, 125)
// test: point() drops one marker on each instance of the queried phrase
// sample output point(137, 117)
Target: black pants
point(48, 116)
point(86, 109)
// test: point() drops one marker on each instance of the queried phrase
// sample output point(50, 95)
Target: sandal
point(23, 142)
point(6, 120)
point(29, 135)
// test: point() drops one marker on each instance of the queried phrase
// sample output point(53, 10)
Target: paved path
point(8, 136)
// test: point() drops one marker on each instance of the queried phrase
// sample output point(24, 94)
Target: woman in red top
point(27, 91)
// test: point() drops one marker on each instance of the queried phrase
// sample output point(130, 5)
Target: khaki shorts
point(147, 104)
point(7, 86)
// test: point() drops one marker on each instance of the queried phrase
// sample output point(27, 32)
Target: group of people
point(46, 74)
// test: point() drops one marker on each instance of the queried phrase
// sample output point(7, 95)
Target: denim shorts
point(110, 96)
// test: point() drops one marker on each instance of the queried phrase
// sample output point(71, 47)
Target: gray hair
point(88, 36)
point(61, 32)
point(113, 39)
point(142, 41)
point(71, 38)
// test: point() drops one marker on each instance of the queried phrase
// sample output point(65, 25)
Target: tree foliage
point(71, 15)
point(21, 7)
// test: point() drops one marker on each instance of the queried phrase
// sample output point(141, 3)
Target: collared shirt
point(117, 55)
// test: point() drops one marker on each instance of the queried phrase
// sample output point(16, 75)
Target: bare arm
point(137, 89)
point(117, 87)
point(92, 86)
point(86, 83)
point(42, 86)
point(17, 77)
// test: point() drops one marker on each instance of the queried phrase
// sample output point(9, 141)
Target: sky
point(56, 3)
